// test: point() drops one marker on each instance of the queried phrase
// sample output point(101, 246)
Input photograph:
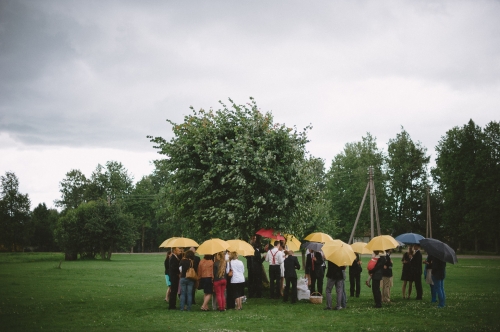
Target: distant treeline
point(227, 174)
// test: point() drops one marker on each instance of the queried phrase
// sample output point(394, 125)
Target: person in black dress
point(406, 274)
point(355, 276)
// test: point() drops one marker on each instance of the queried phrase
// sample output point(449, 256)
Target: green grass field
point(128, 293)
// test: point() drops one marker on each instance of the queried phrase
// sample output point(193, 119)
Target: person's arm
point(297, 264)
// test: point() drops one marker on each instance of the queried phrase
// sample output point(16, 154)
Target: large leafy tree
point(141, 203)
point(44, 222)
point(492, 141)
point(73, 189)
point(407, 184)
point(111, 182)
point(15, 226)
point(463, 172)
point(346, 183)
point(234, 171)
point(95, 228)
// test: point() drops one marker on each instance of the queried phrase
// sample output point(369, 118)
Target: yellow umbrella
point(318, 237)
point(339, 252)
point(212, 246)
point(360, 248)
point(183, 242)
point(166, 243)
point(382, 242)
point(241, 247)
point(292, 242)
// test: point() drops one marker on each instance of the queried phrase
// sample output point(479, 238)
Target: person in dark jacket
point(416, 268)
point(314, 266)
point(438, 275)
point(387, 278)
point(291, 264)
point(376, 275)
point(334, 277)
point(355, 276)
point(173, 273)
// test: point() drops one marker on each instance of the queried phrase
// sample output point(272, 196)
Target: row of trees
point(229, 172)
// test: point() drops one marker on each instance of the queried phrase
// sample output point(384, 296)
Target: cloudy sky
point(84, 82)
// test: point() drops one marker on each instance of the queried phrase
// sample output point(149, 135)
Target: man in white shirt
point(275, 258)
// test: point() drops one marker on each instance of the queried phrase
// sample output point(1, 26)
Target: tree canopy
point(234, 171)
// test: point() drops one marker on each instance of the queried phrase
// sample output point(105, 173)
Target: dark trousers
point(274, 281)
point(257, 280)
point(316, 281)
point(355, 282)
point(230, 298)
point(174, 288)
point(290, 282)
point(249, 282)
point(377, 294)
point(418, 287)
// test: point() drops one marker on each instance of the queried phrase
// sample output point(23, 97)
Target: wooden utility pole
point(428, 230)
point(373, 207)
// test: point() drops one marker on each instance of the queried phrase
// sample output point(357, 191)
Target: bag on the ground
point(191, 273)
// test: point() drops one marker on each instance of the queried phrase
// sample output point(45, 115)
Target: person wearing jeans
point(335, 278)
point(186, 284)
point(438, 275)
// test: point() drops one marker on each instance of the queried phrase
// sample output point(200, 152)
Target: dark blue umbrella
point(439, 250)
point(313, 246)
point(409, 238)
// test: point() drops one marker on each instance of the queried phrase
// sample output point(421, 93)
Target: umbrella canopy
point(313, 246)
point(409, 238)
point(292, 242)
point(212, 246)
point(265, 232)
point(360, 248)
point(382, 242)
point(439, 249)
point(339, 253)
point(269, 233)
point(241, 247)
point(166, 243)
point(318, 237)
point(182, 242)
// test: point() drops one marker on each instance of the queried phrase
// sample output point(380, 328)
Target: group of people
point(222, 275)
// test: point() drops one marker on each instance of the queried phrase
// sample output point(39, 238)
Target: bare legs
point(410, 286)
point(206, 298)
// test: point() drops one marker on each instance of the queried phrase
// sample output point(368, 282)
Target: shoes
point(204, 309)
point(337, 308)
point(327, 308)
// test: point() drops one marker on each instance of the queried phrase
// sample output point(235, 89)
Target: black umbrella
point(313, 246)
point(439, 250)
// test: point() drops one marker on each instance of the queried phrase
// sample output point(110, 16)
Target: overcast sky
point(84, 82)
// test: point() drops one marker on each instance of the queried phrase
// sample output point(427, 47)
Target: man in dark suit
point(173, 274)
point(291, 264)
point(315, 260)
point(416, 267)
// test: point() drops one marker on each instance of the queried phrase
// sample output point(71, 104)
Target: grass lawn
point(128, 293)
